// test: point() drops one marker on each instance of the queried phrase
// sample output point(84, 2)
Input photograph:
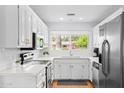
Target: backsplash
point(9, 56)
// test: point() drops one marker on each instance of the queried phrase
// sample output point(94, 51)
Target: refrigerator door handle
point(107, 52)
point(103, 57)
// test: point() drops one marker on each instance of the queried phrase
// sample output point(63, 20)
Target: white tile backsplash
point(9, 56)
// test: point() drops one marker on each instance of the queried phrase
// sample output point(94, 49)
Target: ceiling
point(83, 13)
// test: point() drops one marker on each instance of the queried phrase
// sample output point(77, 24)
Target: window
point(69, 41)
point(79, 41)
point(65, 42)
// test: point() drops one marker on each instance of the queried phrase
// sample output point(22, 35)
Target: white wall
point(75, 28)
point(70, 26)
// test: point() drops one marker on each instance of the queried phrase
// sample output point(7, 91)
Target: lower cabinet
point(71, 70)
point(23, 80)
point(62, 71)
point(41, 79)
point(80, 71)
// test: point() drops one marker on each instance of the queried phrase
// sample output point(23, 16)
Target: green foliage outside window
point(82, 41)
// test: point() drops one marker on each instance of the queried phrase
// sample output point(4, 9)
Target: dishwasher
point(95, 74)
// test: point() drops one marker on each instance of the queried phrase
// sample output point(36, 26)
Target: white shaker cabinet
point(39, 28)
point(9, 26)
point(25, 27)
point(34, 78)
point(65, 71)
point(57, 68)
point(15, 26)
point(62, 71)
point(46, 36)
point(71, 69)
point(34, 24)
point(80, 71)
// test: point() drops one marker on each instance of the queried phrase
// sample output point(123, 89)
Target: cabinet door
point(25, 27)
point(34, 24)
point(57, 71)
point(46, 36)
point(62, 71)
point(79, 71)
point(28, 31)
point(65, 71)
point(39, 28)
point(8, 26)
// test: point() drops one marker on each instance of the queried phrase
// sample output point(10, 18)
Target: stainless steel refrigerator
point(111, 72)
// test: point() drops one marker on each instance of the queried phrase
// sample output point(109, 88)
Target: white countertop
point(44, 59)
point(32, 69)
point(64, 57)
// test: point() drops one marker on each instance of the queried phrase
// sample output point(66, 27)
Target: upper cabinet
point(9, 26)
point(17, 23)
point(96, 37)
point(25, 27)
point(46, 36)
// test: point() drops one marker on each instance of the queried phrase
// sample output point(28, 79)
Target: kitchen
point(60, 46)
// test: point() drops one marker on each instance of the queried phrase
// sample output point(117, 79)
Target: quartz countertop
point(44, 59)
point(35, 66)
point(63, 57)
point(32, 69)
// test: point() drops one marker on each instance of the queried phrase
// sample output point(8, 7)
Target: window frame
point(69, 33)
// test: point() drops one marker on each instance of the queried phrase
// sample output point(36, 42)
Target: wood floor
point(88, 85)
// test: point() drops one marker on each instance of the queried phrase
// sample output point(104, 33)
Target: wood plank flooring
point(88, 85)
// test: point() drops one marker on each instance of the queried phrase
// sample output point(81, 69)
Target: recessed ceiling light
point(81, 18)
point(71, 14)
point(61, 18)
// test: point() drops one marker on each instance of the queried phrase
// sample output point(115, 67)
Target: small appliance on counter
point(96, 52)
